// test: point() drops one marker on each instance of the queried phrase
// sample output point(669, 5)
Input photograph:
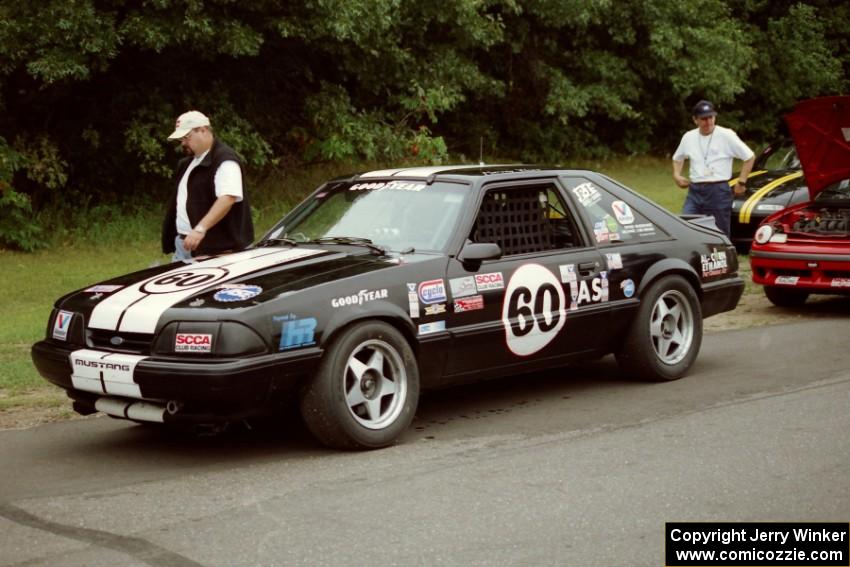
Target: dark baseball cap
point(704, 108)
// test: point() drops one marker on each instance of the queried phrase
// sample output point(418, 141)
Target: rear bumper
point(721, 296)
point(204, 390)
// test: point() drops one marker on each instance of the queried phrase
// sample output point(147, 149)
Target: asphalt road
point(574, 467)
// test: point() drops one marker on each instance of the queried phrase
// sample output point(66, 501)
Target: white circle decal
point(533, 311)
point(187, 279)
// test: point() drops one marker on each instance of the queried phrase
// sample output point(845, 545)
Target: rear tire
point(365, 392)
point(666, 335)
point(784, 297)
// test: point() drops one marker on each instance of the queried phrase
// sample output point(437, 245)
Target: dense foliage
point(89, 89)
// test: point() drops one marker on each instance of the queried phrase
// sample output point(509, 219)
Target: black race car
point(776, 182)
point(384, 283)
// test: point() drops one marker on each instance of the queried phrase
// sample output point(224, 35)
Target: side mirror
point(476, 252)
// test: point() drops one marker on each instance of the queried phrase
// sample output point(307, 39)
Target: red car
point(805, 248)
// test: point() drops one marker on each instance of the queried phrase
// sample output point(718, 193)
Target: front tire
point(783, 297)
point(666, 335)
point(366, 390)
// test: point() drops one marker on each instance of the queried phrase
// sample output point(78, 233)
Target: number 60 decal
point(184, 280)
point(535, 300)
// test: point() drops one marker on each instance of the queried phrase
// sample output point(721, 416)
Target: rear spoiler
point(705, 221)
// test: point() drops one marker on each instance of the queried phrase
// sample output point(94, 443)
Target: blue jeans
point(180, 253)
point(713, 199)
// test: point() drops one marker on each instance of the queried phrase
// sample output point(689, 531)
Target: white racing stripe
point(105, 372)
point(137, 308)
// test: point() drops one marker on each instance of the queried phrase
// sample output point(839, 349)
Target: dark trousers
point(713, 199)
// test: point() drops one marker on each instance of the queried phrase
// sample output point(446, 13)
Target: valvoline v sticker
point(61, 325)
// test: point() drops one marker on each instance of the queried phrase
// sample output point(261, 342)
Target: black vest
point(235, 231)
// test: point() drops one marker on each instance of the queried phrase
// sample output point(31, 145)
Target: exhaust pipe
point(137, 411)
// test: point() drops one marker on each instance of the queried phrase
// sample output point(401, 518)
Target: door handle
point(586, 268)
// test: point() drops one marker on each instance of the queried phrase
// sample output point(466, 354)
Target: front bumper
point(197, 389)
point(817, 273)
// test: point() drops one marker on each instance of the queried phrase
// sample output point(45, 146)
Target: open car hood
point(821, 131)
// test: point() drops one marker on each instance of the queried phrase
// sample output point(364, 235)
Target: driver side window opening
point(523, 220)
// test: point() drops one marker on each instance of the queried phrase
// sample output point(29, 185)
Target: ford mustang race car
point(385, 283)
point(806, 248)
point(776, 182)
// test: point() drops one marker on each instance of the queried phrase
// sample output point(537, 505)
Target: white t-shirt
point(711, 156)
point(227, 180)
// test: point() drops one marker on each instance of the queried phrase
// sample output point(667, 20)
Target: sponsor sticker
point(462, 287)
point(623, 212)
point(714, 264)
point(489, 281)
point(840, 282)
point(787, 280)
point(412, 301)
point(361, 297)
point(473, 303)
point(390, 186)
point(533, 312)
point(587, 194)
point(237, 293)
point(295, 331)
point(600, 231)
point(432, 291)
point(615, 261)
point(628, 287)
point(568, 273)
point(435, 327)
point(193, 342)
point(435, 309)
point(103, 288)
point(594, 290)
point(61, 325)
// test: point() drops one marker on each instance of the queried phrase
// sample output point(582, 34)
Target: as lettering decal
point(533, 311)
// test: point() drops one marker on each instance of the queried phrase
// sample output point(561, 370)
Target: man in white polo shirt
point(209, 212)
point(711, 150)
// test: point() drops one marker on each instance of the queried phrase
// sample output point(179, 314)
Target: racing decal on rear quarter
point(138, 307)
point(61, 325)
point(714, 264)
point(533, 311)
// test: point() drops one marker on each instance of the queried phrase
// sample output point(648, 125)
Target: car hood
point(136, 302)
point(821, 131)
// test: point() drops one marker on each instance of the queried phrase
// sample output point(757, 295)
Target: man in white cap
point(711, 149)
point(209, 213)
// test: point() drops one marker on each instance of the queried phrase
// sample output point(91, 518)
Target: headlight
point(764, 233)
point(209, 338)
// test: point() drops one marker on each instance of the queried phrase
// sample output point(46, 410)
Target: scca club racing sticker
point(533, 312)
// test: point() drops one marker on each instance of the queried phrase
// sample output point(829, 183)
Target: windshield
point(399, 216)
point(781, 155)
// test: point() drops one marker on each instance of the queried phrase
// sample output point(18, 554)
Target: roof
point(463, 170)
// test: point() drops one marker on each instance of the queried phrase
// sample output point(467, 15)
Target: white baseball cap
point(187, 122)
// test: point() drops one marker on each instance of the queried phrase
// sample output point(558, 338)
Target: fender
point(670, 265)
point(380, 309)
